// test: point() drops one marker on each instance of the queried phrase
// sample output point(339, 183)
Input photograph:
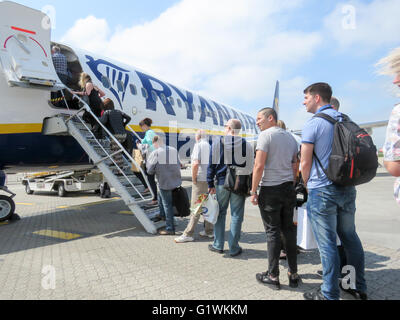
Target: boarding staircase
point(121, 178)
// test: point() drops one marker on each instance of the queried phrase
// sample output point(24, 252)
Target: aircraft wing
point(367, 126)
point(372, 125)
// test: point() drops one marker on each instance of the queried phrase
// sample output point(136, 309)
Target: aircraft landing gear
point(7, 205)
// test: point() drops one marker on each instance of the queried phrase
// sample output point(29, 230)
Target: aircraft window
point(179, 103)
point(154, 95)
point(171, 101)
point(120, 86)
point(163, 98)
point(106, 82)
point(133, 89)
point(144, 93)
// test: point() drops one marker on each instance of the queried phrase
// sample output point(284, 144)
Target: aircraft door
point(25, 53)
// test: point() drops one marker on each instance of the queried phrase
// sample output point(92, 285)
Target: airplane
point(28, 77)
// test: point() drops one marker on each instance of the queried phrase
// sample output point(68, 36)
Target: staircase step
point(81, 126)
point(159, 225)
point(153, 214)
point(137, 196)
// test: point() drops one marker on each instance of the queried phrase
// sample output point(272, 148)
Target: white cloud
point(364, 26)
point(225, 49)
point(90, 33)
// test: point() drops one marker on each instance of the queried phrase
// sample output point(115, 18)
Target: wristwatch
point(253, 193)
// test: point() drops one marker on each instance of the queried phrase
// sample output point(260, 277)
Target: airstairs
point(121, 178)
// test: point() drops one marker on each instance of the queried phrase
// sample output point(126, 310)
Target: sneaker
point(237, 253)
point(294, 280)
point(314, 295)
point(205, 235)
point(183, 239)
point(211, 248)
point(264, 278)
point(166, 233)
point(355, 293)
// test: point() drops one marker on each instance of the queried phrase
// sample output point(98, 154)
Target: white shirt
point(201, 153)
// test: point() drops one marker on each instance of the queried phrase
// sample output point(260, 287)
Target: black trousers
point(141, 178)
point(153, 185)
point(277, 205)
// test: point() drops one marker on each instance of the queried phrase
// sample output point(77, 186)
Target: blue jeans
point(237, 202)
point(331, 211)
point(167, 209)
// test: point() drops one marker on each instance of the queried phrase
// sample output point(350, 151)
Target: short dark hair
point(108, 104)
point(148, 122)
point(269, 112)
point(322, 89)
point(335, 103)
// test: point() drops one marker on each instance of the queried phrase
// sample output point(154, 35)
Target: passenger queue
point(275, 173)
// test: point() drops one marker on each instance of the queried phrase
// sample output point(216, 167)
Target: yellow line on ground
point(125, 212)
point(58, 234)
point(4, 223)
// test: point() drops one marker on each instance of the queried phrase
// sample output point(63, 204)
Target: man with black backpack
point(231, 152)
point(332, 194)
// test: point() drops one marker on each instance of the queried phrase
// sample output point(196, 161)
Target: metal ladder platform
point(121, 178)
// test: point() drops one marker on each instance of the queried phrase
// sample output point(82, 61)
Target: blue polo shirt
point(319, 132)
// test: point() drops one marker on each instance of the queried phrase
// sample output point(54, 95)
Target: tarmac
point(85, 248)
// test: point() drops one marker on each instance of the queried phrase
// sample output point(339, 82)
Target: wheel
point(28, 189)
point(7, 208)
point(61, 191)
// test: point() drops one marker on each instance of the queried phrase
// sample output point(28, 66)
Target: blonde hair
point(391, 64)
point(84, 79)
point(281, 124)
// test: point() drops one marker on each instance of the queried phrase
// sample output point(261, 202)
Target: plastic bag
point(305, 235)
point(210, 209)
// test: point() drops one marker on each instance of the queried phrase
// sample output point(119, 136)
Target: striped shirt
point(60, 63)
point(391, 149)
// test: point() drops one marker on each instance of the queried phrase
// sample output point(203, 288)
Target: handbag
point(238, 184)
point(138, 157)
point(181, 202)
point(301, 192)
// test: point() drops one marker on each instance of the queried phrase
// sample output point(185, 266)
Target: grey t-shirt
point(281, 149)
point(165, 164)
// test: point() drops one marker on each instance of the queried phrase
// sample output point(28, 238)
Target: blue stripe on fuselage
point(37, 149)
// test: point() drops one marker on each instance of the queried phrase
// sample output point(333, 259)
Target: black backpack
point(354, 158)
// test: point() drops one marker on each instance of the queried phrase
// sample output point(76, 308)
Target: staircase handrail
point(86, 108)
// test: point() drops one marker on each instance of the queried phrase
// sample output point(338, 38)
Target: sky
point(233, 51)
